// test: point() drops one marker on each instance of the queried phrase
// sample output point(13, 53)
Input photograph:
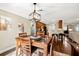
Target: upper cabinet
point(41, 29)
point(60, 24)
point(40, 26)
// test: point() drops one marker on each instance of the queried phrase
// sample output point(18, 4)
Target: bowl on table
point(35, 37)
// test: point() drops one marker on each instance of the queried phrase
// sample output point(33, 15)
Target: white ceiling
point(69, 12)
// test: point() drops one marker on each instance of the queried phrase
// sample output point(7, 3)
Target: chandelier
point(35, 15)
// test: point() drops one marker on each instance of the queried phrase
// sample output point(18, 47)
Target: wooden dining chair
point(18, 43)
point(40, 51)
point(26, 46)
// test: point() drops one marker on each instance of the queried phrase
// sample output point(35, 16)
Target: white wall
point(74, 36)
point(7, 38)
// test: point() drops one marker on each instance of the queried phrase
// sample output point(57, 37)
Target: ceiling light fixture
point(35, 15)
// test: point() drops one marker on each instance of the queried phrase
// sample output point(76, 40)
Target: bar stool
point(61, 37)
point(51, 47)
point(55, 37)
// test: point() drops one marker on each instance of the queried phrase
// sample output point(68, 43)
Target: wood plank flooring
point(63, 47)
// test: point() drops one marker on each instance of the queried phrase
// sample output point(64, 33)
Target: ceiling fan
point(35, 15)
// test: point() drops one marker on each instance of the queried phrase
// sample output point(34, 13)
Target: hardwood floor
point(63, 47)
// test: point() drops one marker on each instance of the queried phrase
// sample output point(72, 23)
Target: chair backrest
point(61, 36)
point(55, 37)
point(22, 34)
point(26, 41)
point(26, 45)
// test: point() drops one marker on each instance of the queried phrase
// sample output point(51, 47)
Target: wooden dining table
point(43, 43)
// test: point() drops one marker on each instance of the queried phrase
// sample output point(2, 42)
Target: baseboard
point(2, 51)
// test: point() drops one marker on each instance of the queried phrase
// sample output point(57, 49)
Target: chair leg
point(51, 49)
point(17, 48)
point(16, 51)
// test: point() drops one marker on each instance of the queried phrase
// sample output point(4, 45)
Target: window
point(77, 27)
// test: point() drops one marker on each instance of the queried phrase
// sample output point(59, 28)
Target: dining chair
point(40, 51)
point(18, 43)
point(26, 46)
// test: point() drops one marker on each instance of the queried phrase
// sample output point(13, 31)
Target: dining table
point(40, 43)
